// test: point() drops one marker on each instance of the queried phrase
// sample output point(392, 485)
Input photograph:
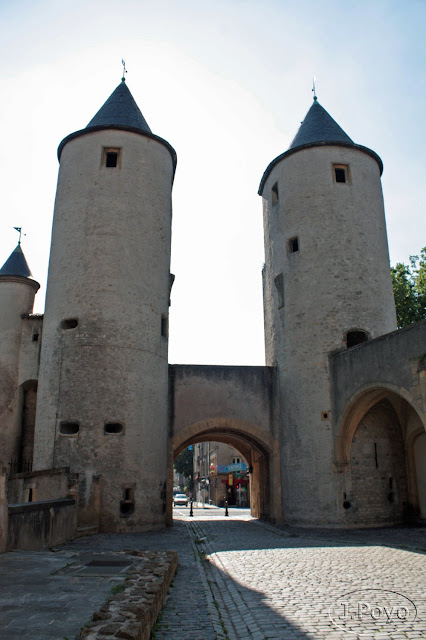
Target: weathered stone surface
point(128, 617)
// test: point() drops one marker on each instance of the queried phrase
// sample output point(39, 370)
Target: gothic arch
point(359, 404)
point(412, 426)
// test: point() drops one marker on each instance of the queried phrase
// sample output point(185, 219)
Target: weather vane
point(314, 88)
point(19, 230)
point(124, 70)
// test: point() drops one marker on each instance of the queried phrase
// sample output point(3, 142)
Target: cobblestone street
point(241, 579)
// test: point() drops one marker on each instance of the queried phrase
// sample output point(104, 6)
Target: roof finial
point(314, 88)
point(123, 79)
point(19, 230)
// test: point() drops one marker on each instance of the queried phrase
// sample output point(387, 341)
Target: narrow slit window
point(164, 326)
point(279, 285)
point(293, 245)
point(274, 194)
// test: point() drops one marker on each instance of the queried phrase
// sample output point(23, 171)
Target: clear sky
point(227, 84)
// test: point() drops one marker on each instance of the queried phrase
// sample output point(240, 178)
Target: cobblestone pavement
point(239, 579)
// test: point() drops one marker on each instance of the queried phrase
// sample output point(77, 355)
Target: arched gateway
point(230, 405)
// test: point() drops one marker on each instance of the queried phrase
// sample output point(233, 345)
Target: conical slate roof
point(16, 265)
point(318, 129)
point(319, 126)
point(120, 109)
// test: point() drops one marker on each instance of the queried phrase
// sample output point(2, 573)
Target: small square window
point(293, 245)
point(111, 158)
point(341, 173)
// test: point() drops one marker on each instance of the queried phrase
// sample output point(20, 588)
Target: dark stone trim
point(120, 127)
point(289, 152)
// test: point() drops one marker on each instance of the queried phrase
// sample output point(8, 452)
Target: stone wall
point(393, 361)
point(48, 484)
point(41, 525)
point(377, 491)
point(234, 405)
point(239, 394)
point(3, 511)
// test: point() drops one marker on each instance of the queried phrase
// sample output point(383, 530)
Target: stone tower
point(17, 292)
point(327, 286)
point(102, 402)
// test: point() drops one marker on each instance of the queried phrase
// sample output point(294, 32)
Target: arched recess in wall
point(380, 448)
point(259, 449)
point(28, 413)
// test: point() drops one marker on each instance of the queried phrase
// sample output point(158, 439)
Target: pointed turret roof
point(16, 265)
point(318, 129)
point(120, 109)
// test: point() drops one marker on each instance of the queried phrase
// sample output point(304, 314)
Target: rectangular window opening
point(127, 504)
point(164, 326)
point(111, 159)
point(293, 245)
point(341, 173)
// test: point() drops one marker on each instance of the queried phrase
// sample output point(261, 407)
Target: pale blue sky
point(227, 84)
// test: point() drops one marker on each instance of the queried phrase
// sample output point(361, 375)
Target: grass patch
point(118, 588)
point(155, 627)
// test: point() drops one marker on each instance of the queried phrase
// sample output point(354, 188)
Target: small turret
point(17, 292)
point(16, 264)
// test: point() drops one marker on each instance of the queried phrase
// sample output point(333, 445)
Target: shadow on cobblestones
point(237, 579)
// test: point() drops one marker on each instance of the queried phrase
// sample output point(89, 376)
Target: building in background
point(221, 474)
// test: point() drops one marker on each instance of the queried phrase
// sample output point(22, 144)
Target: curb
point(131, 613)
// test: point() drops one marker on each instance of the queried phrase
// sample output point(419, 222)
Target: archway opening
point(378, 494)
point(213, 474)
point(231, 466)
point(382, 454)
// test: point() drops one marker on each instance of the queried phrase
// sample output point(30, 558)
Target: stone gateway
point(332, 428)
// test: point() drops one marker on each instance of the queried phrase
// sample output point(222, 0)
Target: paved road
point(239, 579)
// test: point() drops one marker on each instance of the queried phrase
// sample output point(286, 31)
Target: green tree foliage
point(184, 463)
point(409, 289)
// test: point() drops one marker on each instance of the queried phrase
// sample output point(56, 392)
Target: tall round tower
point(103, 390)
point(17, 292)
point(327, 286)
